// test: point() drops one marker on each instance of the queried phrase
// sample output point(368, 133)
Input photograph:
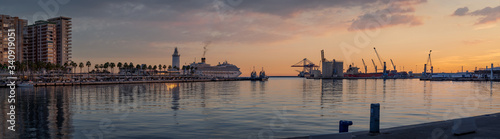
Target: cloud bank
point(486, 15)
point(152, 26)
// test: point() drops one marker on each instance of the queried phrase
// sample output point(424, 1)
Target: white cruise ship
point(224, 70)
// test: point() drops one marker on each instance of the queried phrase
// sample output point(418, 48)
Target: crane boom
point(394, 66)
point(429, 61)
point(366, 70)
point(374, 65)
point(378, 56)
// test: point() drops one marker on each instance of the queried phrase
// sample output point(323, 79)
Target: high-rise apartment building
point(8, 22)
point(63, 38)
point(40, 42)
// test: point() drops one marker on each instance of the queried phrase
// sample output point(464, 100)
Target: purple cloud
point(487, 14)
point(461, 11)
point(398, 13)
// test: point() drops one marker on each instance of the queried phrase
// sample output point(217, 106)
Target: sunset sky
point(275, 34)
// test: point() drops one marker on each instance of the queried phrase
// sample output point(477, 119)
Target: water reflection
point(331, 95)
point(232, 109)
point(40, 113)
point(428, 95)
point(174, 88)
point(331, 91)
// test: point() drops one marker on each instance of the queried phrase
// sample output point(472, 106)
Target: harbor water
point(277, 108)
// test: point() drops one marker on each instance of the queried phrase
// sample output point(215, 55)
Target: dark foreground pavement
point(488, 127)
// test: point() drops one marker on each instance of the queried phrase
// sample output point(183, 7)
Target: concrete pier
point(488, 126)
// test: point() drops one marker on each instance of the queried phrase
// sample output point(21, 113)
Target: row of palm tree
point(101, 68)
point(35, 66)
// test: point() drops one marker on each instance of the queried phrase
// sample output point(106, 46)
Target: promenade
point(488, 127)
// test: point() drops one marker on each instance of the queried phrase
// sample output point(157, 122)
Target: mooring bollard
point(375, 118)
point(344, 126)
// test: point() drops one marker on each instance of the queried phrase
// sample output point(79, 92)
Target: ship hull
point(399, 75)
point(364, 75)
point(219, 74)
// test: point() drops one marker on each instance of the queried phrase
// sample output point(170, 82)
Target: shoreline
point(38, 84)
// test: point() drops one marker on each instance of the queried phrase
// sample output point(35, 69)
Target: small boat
point(25, 84)
point(253, 75)
point(263, 76)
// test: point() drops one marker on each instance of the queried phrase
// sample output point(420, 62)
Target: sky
point(276, 34)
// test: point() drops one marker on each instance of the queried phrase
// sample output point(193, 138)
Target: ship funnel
point(203, 60)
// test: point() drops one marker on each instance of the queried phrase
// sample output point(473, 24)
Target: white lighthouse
point(176, 59)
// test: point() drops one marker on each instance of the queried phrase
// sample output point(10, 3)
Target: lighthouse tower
point(176, 59)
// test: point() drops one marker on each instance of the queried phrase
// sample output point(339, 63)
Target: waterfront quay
point(487, 127)
point(101, 79)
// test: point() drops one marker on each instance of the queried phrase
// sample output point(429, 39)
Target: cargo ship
point(353, 72)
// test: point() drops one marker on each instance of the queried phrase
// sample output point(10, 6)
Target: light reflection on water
point(281, 107)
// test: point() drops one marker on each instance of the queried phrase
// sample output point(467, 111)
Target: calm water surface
point(280, 107)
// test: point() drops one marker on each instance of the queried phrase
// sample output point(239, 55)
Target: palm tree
point(74, 65)
point(88, 66)
point(59, 67)
point(119, 65)
point(96, 67)
point(125, 66)
point(137, 68)
point(112, 65)
point(102, 67)
point(164, 67)
point(80, 66)
point(188, 68)
point(169, 66)
point(148, 67)
point(49, 66)
point(106, 65)
point(159, 67)
point(39, 65)
point(154, 68)
point(65, 66)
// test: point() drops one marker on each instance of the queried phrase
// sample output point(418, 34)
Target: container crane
point(307, 65)
point(366, 69)
point(429, 62)
point(394, 66)
point(374, 66)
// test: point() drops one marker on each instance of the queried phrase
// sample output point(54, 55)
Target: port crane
point(429, 62)
point(378, 56)
point(374, 65)
point(366, 70)
point(394, 66)
point(306, 64)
